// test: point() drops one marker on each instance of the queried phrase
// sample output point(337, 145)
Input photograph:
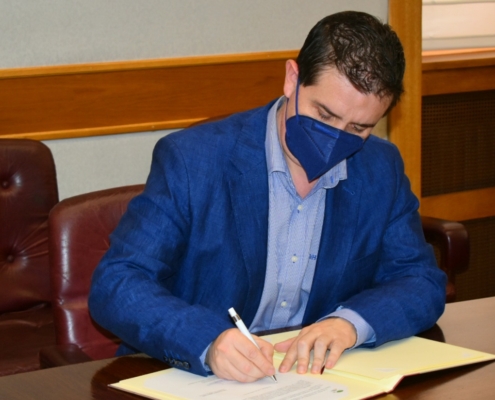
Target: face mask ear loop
point(297, 108)
point(297, 101)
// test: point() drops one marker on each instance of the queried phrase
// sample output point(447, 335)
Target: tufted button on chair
point(28, 190)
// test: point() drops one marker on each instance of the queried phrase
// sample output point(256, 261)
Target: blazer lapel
point(339, 227)
point(248, 184)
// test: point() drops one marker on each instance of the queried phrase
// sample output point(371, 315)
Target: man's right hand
point(233, 356)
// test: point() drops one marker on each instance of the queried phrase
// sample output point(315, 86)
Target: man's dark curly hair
point(361, 47)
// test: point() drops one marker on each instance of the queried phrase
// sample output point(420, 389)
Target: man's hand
point(233, 356)
point(336, 334)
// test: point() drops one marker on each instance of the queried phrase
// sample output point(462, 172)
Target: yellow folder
point(359, 374)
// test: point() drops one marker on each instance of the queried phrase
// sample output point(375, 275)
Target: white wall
point(454, 24)
point(57, 32)
point(100, 162)
point(48, 32)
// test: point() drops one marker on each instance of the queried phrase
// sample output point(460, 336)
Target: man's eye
point(358, 129)
point(324, 117)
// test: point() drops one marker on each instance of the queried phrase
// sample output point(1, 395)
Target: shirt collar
point(275, 159)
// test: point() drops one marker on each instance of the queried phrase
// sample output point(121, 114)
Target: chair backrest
point(79, 236)
point(28, 190)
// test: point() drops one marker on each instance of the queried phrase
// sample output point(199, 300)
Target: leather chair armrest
point(60, 355)
point(452, 237)
point(452, 241)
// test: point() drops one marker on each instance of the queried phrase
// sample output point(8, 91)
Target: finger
point(234, 367)
point(239, 368)
point(298, 351)
point(336, 351)
point(304, 346)
point(319, 352)
point(266, 348)
point(258, 359)
point(289, 359)
point(282, 347)
point(242, 372)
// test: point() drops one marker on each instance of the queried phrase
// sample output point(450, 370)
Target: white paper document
point(189, 386)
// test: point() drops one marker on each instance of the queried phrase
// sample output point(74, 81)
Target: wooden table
point(469, 324)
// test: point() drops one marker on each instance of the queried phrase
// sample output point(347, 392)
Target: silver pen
point(242, 327)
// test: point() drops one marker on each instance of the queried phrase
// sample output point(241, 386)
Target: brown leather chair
point(78, 237)
point(28, 190)
point(79, 230)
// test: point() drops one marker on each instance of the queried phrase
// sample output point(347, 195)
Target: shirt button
point(294, 259)
point(299, 207)
point(283, 304)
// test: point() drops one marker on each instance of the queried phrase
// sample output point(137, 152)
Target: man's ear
point(291, 77)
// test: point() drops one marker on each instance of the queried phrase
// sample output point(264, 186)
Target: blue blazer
point(194, 244)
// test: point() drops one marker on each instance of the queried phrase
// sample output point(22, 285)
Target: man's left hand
point(335, 334)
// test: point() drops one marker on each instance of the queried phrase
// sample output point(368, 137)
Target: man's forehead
point(333, 92)
point(332, 72)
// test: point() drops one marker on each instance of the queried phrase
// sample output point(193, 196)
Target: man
point(291, 213)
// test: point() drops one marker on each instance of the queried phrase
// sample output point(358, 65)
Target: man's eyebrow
point(328, 111)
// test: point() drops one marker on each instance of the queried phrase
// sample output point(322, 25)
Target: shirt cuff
point(202, 358)
point(365, 333)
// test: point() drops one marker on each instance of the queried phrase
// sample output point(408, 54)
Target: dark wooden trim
point(458, 72)
point(144, 64)
point(454, 59)
point(458, 80)
point(461, 206)
point(107, 98)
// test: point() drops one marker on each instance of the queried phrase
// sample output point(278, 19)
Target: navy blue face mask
point(317, 146)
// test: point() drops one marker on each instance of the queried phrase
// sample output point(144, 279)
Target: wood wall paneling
point(458, 88)
point(453, 72)
point(405, 119)
point(97, 99)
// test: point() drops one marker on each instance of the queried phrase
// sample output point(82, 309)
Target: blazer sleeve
point(407, 294)
point(129, 295)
